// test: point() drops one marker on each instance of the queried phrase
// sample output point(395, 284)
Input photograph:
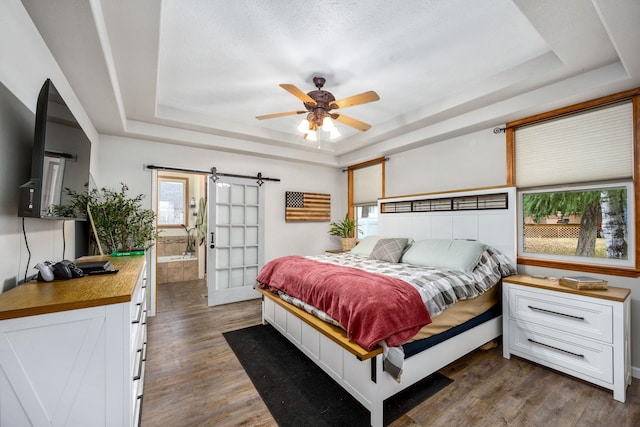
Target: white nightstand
point(579, 332)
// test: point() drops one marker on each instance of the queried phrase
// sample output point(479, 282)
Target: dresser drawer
point(567, 313)
point(579, 357)
point(138, 300)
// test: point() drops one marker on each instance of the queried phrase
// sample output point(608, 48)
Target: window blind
point(585, 147)
point(367, 185)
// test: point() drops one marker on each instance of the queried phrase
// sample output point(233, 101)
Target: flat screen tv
point(60, 160)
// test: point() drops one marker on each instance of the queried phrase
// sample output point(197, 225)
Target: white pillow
point(460, 255)
point(365, 246)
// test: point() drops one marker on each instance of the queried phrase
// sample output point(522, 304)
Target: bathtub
point(172, 258)
point(177, 268)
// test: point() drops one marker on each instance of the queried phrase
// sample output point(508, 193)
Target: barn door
point(235, 241)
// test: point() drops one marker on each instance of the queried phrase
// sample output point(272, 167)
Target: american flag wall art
point(301, 206)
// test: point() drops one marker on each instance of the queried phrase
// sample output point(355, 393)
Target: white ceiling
point(197, 72)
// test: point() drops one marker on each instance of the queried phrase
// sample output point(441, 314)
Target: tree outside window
point(590, 223)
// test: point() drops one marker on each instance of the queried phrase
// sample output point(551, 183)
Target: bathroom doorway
point(181, 223)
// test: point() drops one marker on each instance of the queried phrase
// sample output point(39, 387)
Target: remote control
point(46, 272)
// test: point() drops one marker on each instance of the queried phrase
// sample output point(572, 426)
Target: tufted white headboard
point(487, 215)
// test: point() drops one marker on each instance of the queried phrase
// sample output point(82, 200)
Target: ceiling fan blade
point(350, 121)
point(292, 89)
point(361, 98)
point(272, 116)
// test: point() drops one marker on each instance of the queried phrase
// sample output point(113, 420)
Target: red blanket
point(371, 307)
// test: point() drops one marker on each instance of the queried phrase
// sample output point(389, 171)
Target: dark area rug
point(299, 393)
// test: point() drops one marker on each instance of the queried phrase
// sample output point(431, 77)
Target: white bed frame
point(360, 372)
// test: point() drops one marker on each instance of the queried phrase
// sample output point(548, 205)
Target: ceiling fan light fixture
point(304, 126)
point(327, 124)
point(311, 135)
point(319, 105)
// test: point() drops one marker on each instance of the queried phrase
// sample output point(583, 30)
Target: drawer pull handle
point(555, 312)
point(139, 410)
point(139, 313)
point(556, 348)
point(140, 358)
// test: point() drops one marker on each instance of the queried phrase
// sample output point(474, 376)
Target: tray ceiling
point(197, 72)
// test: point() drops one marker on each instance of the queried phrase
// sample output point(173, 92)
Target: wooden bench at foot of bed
point(334, 333)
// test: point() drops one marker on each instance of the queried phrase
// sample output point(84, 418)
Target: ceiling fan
point(319, 106)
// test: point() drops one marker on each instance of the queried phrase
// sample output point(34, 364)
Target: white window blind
point(367, 185)
point(592, 146)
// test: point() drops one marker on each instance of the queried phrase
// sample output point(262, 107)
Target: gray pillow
point(389, 250)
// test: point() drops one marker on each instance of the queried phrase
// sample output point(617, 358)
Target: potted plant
point(345, 229)
point(119, 223)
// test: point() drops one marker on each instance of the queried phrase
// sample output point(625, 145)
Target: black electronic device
point(60, 159)
point(95, 267)
point(61, 271)
point(96, 272)
point(73, 269)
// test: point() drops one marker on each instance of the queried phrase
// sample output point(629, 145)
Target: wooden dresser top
point(611, 293)
point(34, 297)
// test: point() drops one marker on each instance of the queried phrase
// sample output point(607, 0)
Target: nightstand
point(583, 333)
point(334, 251)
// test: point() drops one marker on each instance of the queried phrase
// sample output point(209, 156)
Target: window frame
point(185, 182)
point(350, 182)
point(634, 96)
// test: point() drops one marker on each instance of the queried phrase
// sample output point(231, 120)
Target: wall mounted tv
point(60, 160)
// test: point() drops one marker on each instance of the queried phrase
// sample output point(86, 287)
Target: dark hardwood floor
point(193, 378)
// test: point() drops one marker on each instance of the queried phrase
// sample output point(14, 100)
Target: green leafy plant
point(120, 222)
point(343, 228)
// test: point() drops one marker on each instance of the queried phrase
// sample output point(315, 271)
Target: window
point(574, 170)
point(172, 201)
point(586, 224)
point(367, 220)
point(366, 186)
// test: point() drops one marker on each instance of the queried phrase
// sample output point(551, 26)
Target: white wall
point(26, 64)
point(124, 159)
point(470, 161)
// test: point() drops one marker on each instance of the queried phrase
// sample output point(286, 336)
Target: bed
point(355, 356)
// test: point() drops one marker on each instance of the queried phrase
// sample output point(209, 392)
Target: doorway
point(224, 237)
point(181, 223)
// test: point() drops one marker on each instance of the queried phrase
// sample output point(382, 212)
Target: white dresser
point(581, 333)
point(72, 352)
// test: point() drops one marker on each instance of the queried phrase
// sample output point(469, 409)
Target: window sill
point(587, 268)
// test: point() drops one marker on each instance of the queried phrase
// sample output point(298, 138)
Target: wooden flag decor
point(307, 206)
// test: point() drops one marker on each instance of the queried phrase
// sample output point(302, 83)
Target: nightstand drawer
point(579, 357)
point(567, 313)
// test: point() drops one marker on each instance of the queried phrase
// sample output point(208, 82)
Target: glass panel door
point(236, 222)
